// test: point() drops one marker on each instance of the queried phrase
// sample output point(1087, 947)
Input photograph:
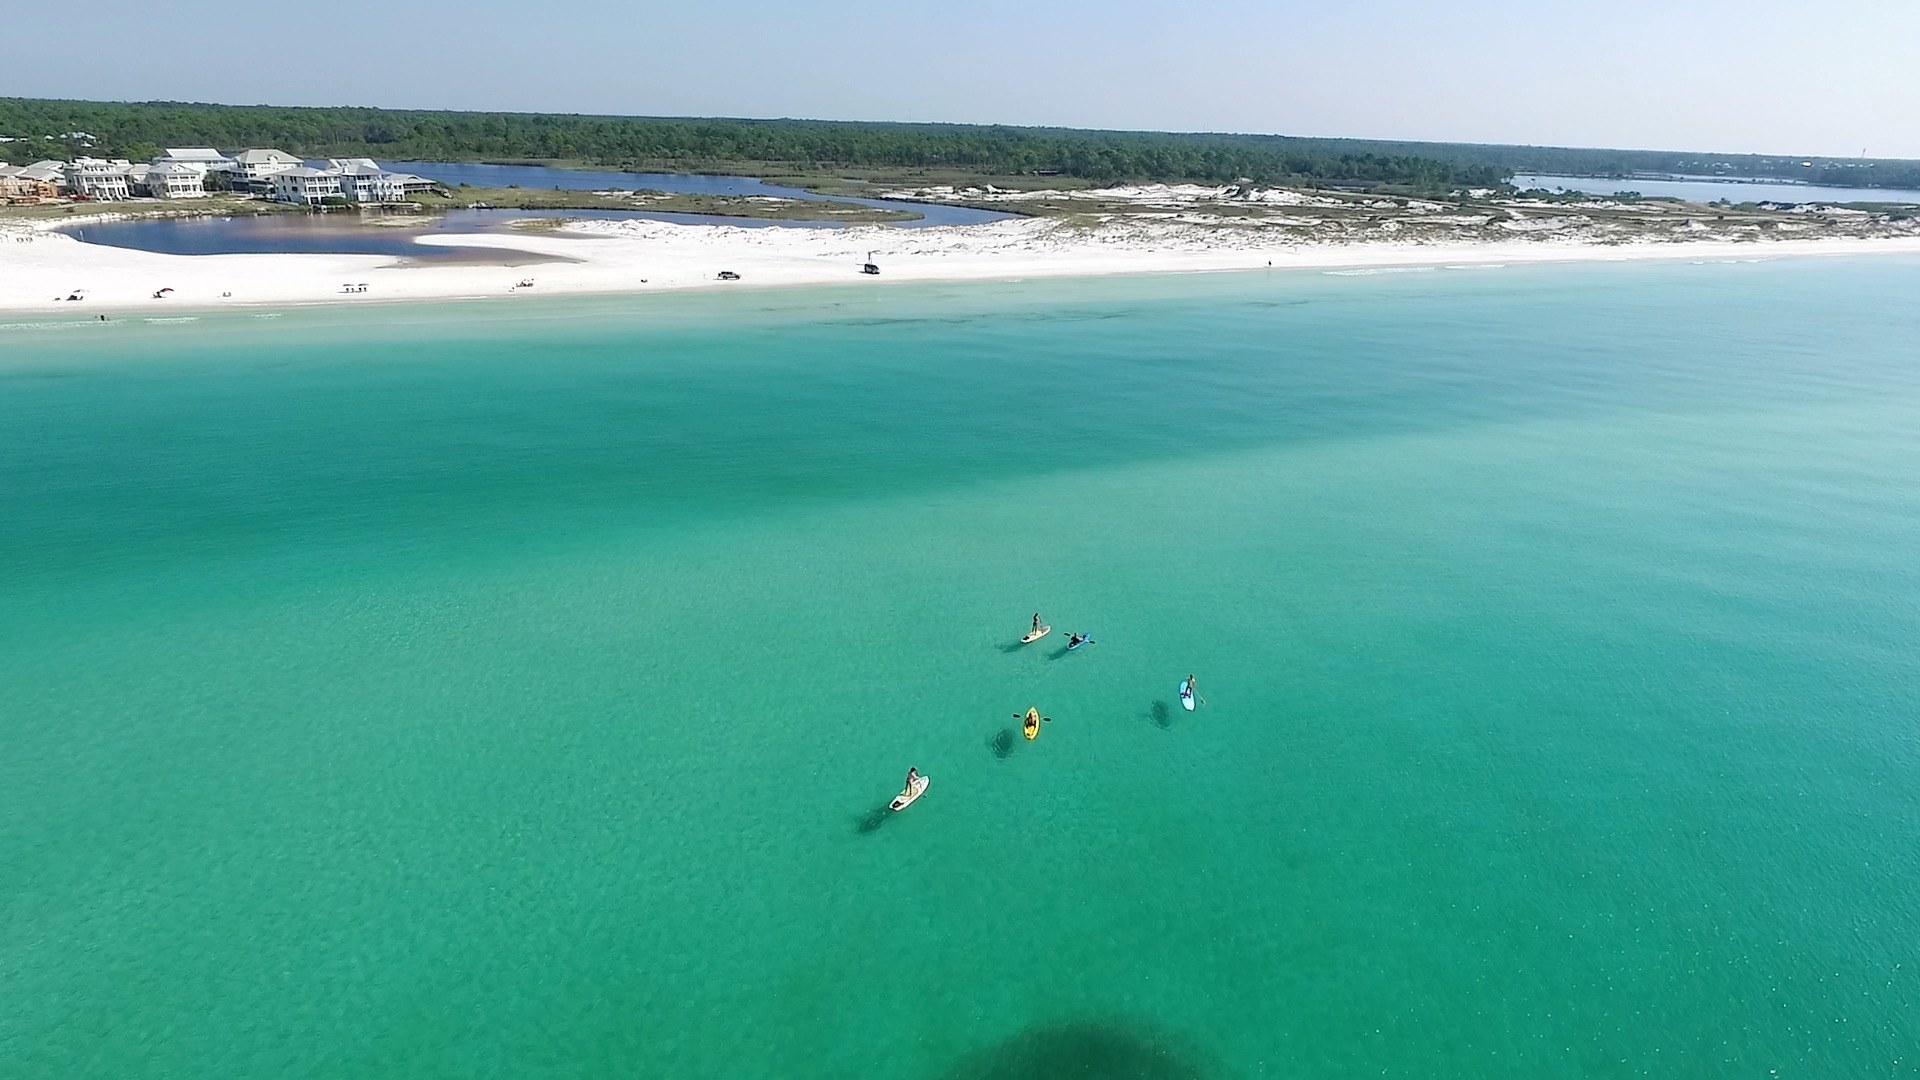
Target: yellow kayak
point(1032, 724)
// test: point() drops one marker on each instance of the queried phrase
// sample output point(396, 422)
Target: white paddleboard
point(1186, 699)
point(1036, 635)
point(905, 798)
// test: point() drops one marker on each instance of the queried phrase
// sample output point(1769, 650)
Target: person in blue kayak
point(1074, 641)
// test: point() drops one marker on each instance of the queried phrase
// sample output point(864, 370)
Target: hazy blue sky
point(1834, 77)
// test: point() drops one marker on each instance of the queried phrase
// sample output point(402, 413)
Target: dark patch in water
point(1088, 1050)
point(874, 818)
point(1013, 646)
point(1160, 714)
point(37, 376)
point(1002, 743)
point(1058, 653)
point(946, 320)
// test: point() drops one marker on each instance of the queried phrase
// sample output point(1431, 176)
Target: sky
point(1834, 78)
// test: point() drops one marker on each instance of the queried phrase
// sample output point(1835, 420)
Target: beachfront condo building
point(93, 178)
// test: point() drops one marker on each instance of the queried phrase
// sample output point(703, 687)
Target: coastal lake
point(516, 690)
point(1708, 189)
point(348, 234)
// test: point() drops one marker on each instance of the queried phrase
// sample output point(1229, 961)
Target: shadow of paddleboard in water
point(1096, 1048)
point(874, 818)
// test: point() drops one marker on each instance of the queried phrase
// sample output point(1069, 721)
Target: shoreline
point(638, 257)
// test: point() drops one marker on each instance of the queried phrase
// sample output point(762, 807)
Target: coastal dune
point(40, 269)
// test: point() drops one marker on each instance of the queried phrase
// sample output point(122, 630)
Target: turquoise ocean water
point(513, 690)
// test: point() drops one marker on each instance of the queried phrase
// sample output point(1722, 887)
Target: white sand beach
point(40, 269)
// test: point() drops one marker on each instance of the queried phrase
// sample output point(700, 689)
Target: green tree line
point(127, 128)
point(135, 129)
point(1578, 161)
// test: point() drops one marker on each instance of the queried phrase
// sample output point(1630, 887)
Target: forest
point(137, 130)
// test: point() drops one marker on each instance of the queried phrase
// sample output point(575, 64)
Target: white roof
point(193, 153)
point(308, 172)
point(43, 170)
point(263, 157)
point(173, 168)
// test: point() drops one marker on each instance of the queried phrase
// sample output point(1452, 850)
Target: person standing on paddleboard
point(1036, 622)
point(1189, 691)
point(913, 774)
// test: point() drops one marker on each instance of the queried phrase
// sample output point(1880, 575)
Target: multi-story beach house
point(203, 159)
point(306, 185)
point(93, 178)
point(364, 181)
point(257, 167)
point(176, 180)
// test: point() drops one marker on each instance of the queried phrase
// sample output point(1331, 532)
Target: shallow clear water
point(469, 690)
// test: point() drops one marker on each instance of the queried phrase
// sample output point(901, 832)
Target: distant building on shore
point(203, 159)
point(176, 180)
point(364, 180)
point(356, 180)
point(256, 168)
point(102, 180)
point(305, 185)
point(18, 189)
point(191, 172)
point(53, 172)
